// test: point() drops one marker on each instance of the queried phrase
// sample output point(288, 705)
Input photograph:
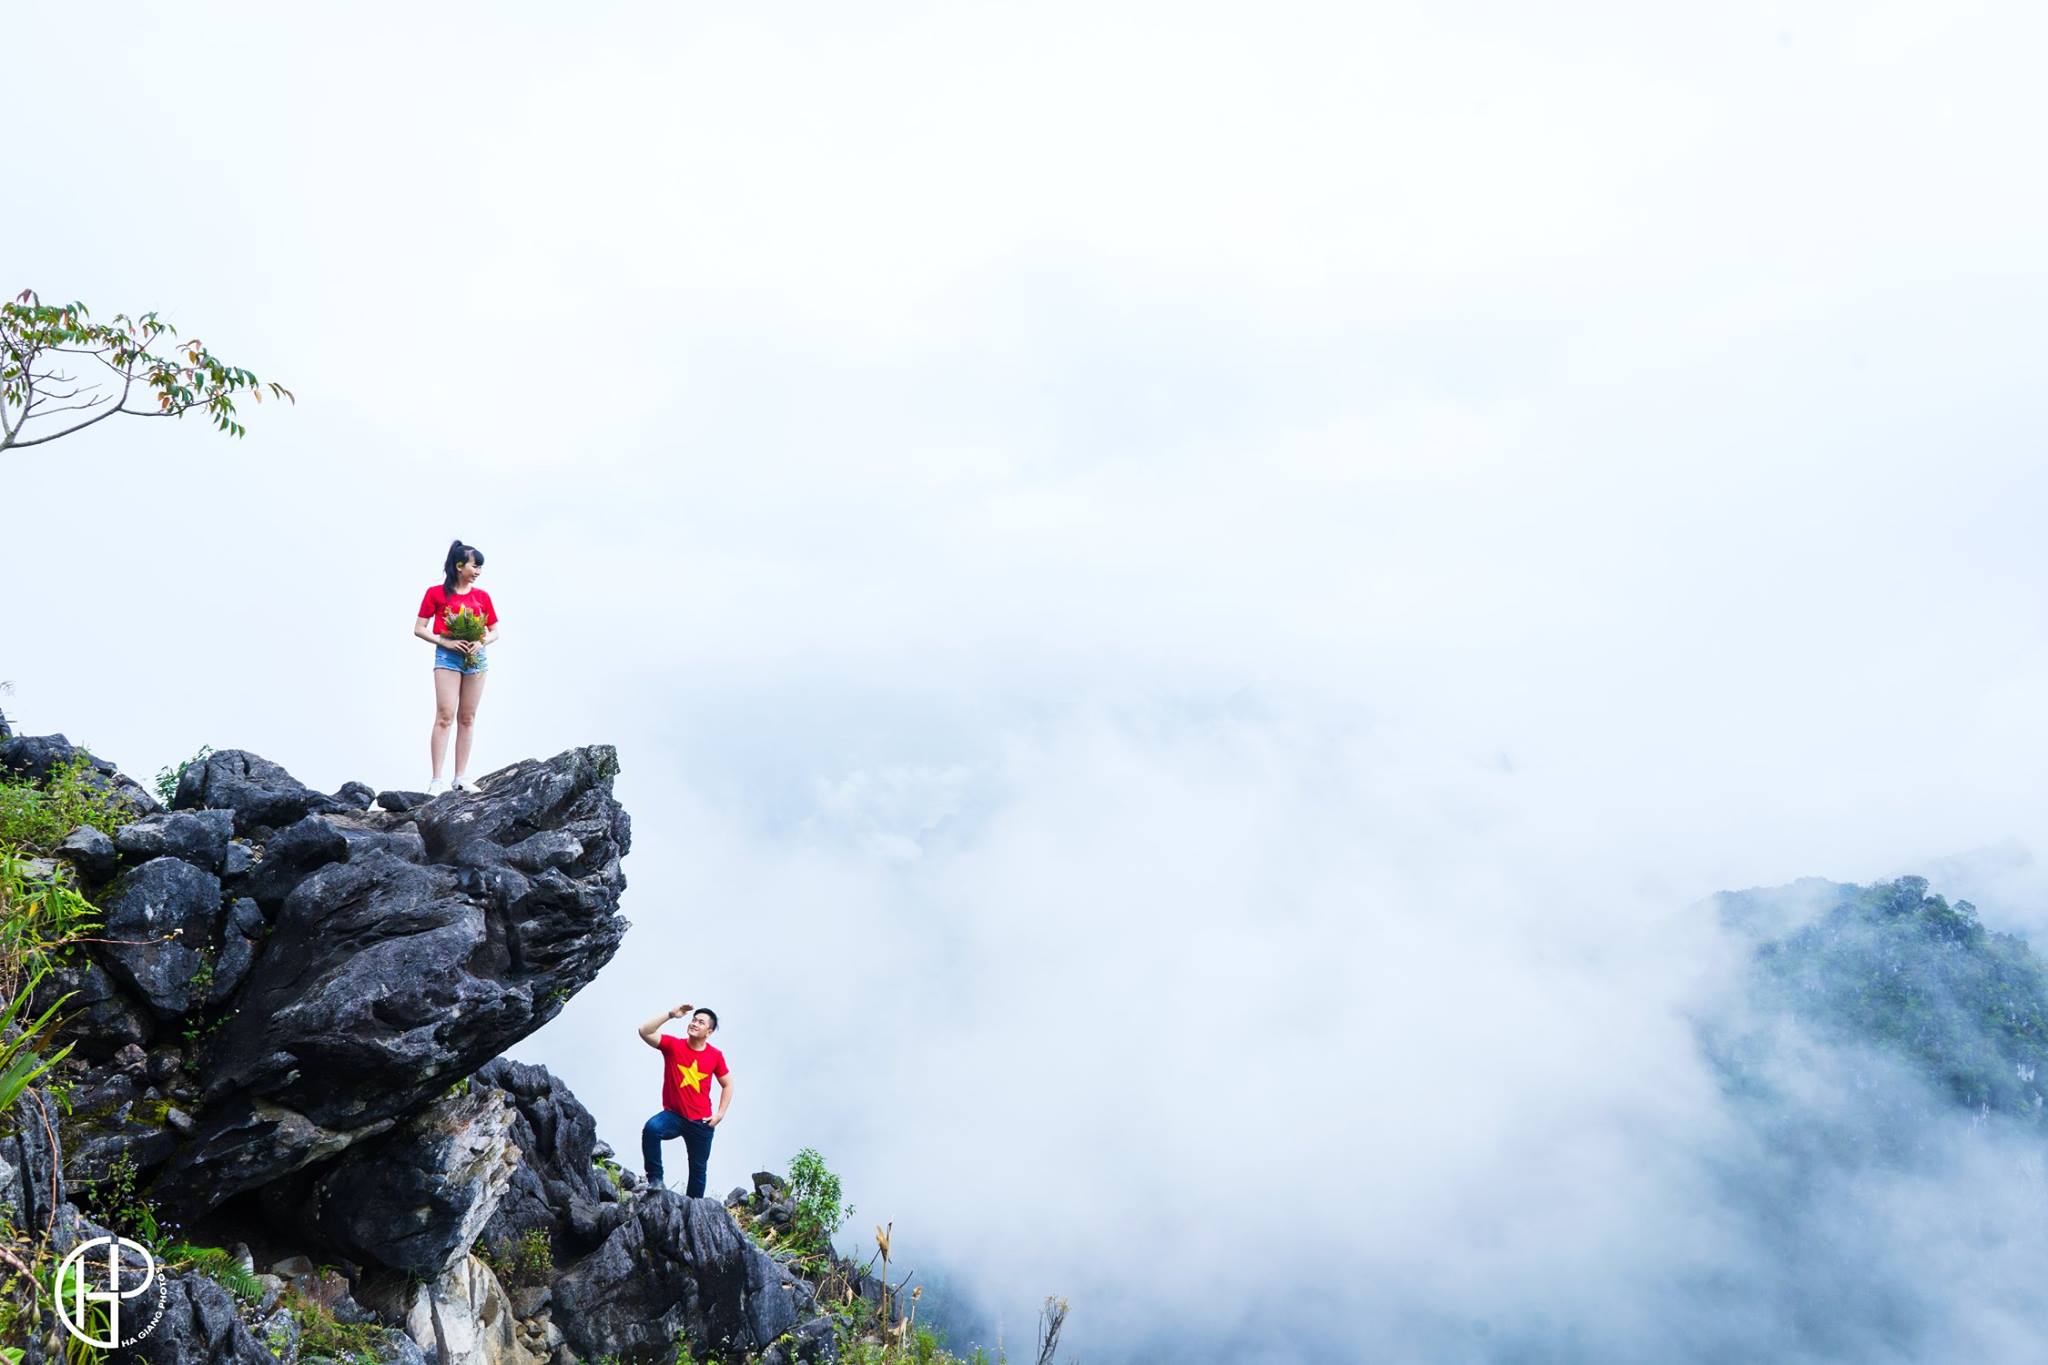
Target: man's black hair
point(713, 1013)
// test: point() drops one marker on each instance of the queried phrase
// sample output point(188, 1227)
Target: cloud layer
point(1189, 604)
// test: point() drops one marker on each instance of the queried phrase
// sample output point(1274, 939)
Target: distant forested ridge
point(1896, 969)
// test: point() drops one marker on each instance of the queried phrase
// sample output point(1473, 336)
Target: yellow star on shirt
point(690, 1076)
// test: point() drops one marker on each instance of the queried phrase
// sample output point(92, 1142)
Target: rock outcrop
point(384, 981)
point(678, 1266)
point(290, 1033)
point(557, 1190)
point(416, 1198)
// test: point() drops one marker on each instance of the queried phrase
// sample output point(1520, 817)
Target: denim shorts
point(456, 662)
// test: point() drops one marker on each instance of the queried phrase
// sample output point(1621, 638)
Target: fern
point(222, 1267)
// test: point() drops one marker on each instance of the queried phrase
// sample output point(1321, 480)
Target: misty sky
point(1190, 596)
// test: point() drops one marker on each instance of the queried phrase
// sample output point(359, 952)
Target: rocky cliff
point(287, 1066)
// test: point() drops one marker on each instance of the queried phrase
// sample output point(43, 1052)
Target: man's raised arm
point(651, 1030)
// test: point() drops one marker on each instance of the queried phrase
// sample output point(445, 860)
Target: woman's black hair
point(458, 553)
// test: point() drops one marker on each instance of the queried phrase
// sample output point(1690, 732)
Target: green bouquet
point(464, 625)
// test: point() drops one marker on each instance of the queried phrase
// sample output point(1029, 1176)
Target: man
point(687, 1063)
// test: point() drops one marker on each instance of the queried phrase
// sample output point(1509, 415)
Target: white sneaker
point(460, 784)
point(436, 787)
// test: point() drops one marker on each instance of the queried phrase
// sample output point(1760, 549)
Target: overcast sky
point(1190, 596)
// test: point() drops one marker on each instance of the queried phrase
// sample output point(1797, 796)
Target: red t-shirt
point(686, 1076)
point(439, 602)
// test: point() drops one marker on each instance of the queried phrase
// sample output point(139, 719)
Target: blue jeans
point(455, 661)
point(696, 1135)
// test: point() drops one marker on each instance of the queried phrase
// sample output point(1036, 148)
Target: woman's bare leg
point(465, 719)
point(447, 691)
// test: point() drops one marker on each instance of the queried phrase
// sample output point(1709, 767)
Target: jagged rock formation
point(290, 1041)
point(556, 1190)
point(386, 979)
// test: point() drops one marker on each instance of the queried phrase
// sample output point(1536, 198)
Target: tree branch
point(23, 445)
point(86, 406)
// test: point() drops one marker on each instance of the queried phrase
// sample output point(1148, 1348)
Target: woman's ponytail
point(458, 553)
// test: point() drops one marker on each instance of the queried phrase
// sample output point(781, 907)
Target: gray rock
point(261, 794)
point(556, 1189)
point(197, 837)
point(568, 795)
point(279, 1331)
point(99, 1017)
point(676, 1266)
point(399, 802)
point(201, 1325)
point(163, 1064)
point(384, 981)
point(549, 848)
point(108, 1090)
point(769, 1307)
point(159, 916)
point(356, 795)
point(91, 852)
point(403, 843)
point(462, 1318)
point(241, 856)
point(113, 1120)
point(288, 857)
point(241, 937)
point(416, 1198)
point(35, 757)
point(30, 1163)
point(814, 1343)
point(244, 1142)
point(396, 1348)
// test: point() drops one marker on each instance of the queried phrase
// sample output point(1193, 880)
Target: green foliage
point(218, 1265)
point(39, 917)
point(64, 1284)
point(167, 779)
point(534, 1261)
point(816, 1193)
point(114, 1202)
point(21, 1061)
point(61, 372)
point(1893, 967)
point(198, 1028)
point(528, 1261)
point(464, 625)
point(913, 1346)
point(322, 1334)
point(36, 816)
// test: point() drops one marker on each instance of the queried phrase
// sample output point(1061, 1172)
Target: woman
point(458, 664)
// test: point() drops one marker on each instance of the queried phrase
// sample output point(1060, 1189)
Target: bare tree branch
point(40, 440)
